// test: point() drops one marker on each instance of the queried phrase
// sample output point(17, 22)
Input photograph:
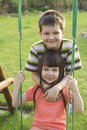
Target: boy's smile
point(52, 36)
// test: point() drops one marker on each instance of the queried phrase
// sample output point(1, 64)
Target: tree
point(6, 6)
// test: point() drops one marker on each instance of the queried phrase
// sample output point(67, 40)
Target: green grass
point(9, 59)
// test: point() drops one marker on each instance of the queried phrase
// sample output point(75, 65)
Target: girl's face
point(50, 74)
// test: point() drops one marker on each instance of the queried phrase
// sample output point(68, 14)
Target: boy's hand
point(72, 83)
point(52, 94)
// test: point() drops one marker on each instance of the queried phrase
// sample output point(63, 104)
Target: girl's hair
point(51, 17)
point(52, 58)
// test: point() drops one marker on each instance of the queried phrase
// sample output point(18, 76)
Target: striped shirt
point(39, 48)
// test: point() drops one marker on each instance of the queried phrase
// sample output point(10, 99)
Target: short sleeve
point(30, 93)
point(77, 60)
point(65, 91)
point(32, 61)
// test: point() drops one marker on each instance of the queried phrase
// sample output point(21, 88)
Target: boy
point(52, 29)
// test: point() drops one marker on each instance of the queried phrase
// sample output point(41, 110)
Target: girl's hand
point(19, 78)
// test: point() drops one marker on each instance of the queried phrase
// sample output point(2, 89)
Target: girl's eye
point(55, 70)
point(45, 69)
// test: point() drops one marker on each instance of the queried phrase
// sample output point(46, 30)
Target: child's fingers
point(59, 97)
point(10, 80)
point(46, 93)
point(20, 71)
point(46, 96)
point(21, 75)
point(49, 99)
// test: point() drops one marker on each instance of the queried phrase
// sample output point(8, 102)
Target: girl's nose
point(50, 73)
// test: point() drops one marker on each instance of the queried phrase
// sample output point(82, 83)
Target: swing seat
point(7, 94)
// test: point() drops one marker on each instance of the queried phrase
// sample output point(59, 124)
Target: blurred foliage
point(11, 6)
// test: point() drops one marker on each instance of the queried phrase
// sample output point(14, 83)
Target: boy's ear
point(63, 32)
point(40, 33)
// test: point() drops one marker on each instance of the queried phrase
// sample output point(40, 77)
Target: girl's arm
point(35, 77)
point(78, 102)
point(16, 100)
point(6, 83)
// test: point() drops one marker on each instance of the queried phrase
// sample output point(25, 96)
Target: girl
point(49, 115)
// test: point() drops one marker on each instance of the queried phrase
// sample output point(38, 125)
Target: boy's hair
point(51, 17)
point(51, 58)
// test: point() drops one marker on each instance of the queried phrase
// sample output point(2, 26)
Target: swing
point(74, 26)
point(75, 2)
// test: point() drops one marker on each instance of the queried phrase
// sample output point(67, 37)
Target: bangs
point(52, 58)
point(51, 61)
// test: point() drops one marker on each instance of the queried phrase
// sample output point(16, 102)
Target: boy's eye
point(56, 32)
point(46, 33)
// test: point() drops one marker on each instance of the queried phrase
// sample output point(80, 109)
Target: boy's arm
point(15, 98)
point(52, 94)
point(78, 102)
point(6, 83)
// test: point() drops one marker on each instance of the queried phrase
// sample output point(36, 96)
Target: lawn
point(9, 59)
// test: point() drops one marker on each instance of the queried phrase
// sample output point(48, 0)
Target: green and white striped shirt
point(39, 48)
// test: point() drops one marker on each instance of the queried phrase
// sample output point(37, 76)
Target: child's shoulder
point(67, 40)
point(32, 89)
point(38, 43)
point(39, 47)
point(65, 89)
point(67, 44)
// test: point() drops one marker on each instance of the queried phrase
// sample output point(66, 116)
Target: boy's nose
point(51, 36)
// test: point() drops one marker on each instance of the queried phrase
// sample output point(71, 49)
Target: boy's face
point(52, 36)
